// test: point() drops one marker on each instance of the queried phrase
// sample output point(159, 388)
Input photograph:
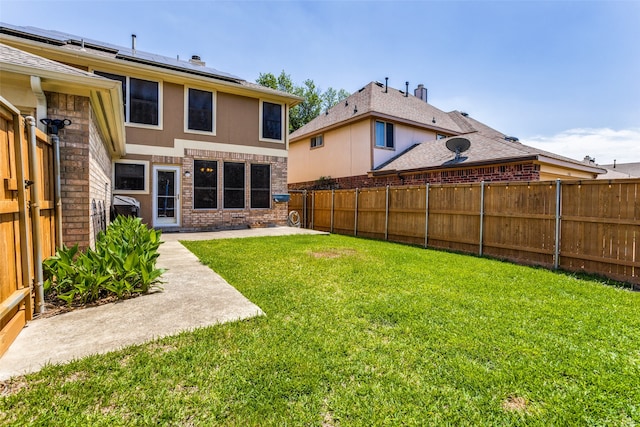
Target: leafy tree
point(314, 100)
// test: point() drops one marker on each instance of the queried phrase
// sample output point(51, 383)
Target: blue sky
point(560, 75)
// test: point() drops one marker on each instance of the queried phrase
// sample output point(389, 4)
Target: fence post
point(355, 221)
point(386, 216)
point(304, 209)
point(481, 216)
point(426, 215)
point(333, 196)
point(556, 252)
point(313, 208)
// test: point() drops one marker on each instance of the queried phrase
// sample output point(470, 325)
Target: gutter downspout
point(35, 214)
point(57, 189)
point(41, 108)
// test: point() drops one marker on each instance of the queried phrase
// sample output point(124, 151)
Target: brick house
point(204, 149)
point(42, 88)
point(382, 136)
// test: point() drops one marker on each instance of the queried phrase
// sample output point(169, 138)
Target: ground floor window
point(129, 176)
point(260, 186)
point(205, 184)
point(234, 181)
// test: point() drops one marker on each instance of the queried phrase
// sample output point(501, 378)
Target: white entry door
point(166, 196)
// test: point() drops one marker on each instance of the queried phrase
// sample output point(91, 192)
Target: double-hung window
point(260, 186)
point(234, 185)
point(272, 121)
point(317, 141)
point(205, 184)
point(141, 99)
point(200, 110)
point(384, 135)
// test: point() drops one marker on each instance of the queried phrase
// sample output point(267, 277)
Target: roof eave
point(105, 96)
point(571, 165)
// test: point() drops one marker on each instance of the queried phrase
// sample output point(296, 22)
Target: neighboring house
point(620, 170)
point(381, 136)
point(204, 149)
point(43, 88)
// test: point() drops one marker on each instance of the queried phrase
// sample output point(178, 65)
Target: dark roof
point(17, 57)
point(101, 48)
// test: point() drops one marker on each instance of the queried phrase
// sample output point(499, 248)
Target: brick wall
point(207, 219)
point(513, 172)
point(74, 165)
point(100, 168)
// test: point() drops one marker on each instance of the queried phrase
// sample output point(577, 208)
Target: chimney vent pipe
point(133, 43)
point(406, 92)
point(386, 84)
point(421, 92)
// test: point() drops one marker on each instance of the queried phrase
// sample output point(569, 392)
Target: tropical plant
point(122, 264)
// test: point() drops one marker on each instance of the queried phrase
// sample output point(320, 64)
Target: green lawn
point(360, 333)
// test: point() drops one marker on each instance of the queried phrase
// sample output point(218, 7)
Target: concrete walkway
point(193, 296)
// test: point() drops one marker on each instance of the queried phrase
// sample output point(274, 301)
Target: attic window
point(317, 141)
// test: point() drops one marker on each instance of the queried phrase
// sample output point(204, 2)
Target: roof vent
point(195, 60)
point(379, 84)
point(511, 139)
point(464, 114)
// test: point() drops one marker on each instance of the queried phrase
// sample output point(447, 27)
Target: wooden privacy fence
point(591, 226)
point(27, 218)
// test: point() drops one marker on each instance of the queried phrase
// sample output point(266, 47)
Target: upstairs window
point(141, 99)
point(271, 121)
point(260, 186)
point(384, 135)
point(317, 141)
point(199, 110)
point(205, 184)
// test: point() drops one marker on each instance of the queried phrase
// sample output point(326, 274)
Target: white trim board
point(179, 145)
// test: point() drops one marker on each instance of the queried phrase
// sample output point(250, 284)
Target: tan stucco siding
point(404, 137)
point(345, 152)
point(236, 119)
point(551, 172)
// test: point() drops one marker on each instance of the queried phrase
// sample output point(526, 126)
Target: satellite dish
point(458, 145)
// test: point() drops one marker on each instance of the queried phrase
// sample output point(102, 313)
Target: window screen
point(234, 185)
point(205, 184)
point(260, 186)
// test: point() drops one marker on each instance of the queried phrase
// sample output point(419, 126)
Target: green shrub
point(122, 264)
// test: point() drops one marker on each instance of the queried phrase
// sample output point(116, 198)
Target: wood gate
point(18, 183)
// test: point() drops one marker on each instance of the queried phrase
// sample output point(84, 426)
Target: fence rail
point(589, 226)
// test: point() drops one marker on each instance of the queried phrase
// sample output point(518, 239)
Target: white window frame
point(213, 111)
point(375, 140)
point(145, 163)
point(128, 101)
point(283, 122)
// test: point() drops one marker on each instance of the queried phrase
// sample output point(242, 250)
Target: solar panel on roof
point(121, 52)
